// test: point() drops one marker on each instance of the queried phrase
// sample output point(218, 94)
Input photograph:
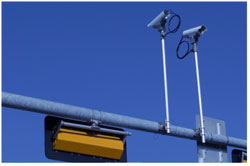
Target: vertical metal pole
point(199, 92)
point(165, 84)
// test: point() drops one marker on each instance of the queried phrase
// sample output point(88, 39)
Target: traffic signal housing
point(74, 141)
point(239, 156)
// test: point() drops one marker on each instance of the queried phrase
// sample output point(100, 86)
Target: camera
point(159, 21)
point(194, 33)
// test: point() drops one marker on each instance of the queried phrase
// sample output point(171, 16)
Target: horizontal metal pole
point(68, 111)
point(81, 126)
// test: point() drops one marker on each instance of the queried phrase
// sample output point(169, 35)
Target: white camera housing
point(159, 21)
point(194, 33)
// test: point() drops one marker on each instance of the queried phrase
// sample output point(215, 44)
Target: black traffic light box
point(239, 156)
point(79, 147)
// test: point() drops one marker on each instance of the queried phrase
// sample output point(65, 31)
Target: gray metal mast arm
point(68, 111)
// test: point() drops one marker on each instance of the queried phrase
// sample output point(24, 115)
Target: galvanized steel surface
point(68, 111)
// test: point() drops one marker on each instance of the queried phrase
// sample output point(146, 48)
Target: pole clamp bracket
point(162, 127)
point(163, 33)
point(94, 124)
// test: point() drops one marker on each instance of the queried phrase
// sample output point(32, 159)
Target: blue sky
point(102, 56)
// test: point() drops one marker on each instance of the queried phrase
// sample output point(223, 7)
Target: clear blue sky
point(102, 56)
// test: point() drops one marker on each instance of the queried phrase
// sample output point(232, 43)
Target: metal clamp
point(163, 127)
point(94, 124)
point(93, 127)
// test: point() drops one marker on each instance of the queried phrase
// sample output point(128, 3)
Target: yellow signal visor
point(81, 142)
